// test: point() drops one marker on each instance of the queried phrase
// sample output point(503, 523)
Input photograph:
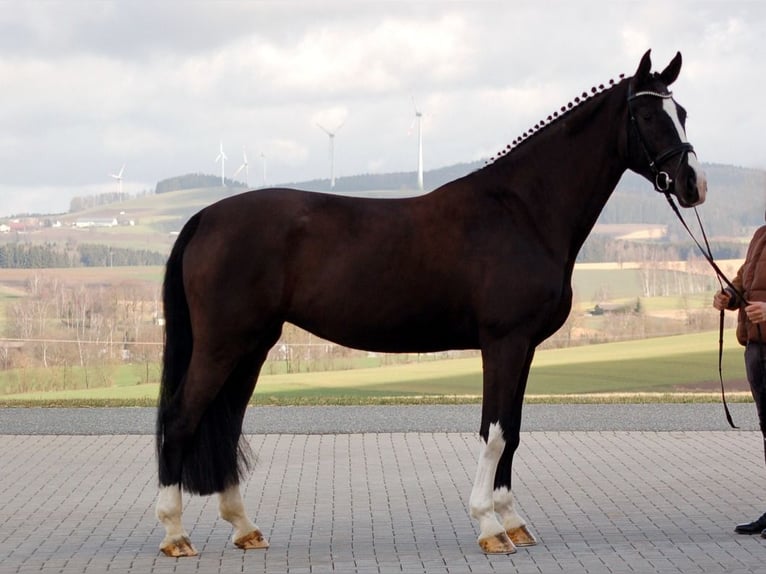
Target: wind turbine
point(243, 166)
point(331, 135)
point(263, 165)
point(419, 120)
point(222, 157)
point(118, 177)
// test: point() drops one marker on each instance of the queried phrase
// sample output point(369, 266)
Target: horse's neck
point(564, 175)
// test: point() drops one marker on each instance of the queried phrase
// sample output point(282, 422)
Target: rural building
point(85, 222)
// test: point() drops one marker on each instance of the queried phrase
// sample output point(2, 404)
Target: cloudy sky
point(86, 87)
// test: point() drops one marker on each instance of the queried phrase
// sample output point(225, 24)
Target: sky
point(87, 87)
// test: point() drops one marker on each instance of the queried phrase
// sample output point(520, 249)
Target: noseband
point(662, 180)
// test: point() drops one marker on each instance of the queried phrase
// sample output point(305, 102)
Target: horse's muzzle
point(691, 184)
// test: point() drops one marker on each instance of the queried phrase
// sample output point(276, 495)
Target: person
point(749, 298)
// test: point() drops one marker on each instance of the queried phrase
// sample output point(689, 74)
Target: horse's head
point(658, 147)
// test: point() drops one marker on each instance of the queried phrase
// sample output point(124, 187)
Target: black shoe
point(755, 527)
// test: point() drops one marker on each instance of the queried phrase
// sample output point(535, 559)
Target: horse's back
point(416, 274)
point(371, 273)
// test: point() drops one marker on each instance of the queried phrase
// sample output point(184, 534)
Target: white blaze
point(670, 108)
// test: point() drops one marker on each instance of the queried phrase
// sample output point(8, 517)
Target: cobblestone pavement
point(599, 502)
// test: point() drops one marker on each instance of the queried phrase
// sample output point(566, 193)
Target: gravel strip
point(391, 419)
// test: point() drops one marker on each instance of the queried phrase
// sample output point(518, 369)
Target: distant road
point(388, 419)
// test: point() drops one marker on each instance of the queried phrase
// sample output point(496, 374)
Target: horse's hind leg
point(203, 381)
point(231, 507)
point(168, 511)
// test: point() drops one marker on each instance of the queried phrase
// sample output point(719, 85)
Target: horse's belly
point(418, 335)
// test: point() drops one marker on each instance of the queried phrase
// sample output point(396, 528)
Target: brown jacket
point(751, 282)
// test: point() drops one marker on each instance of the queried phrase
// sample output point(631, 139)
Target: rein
point(662, 184)
point(721, 276)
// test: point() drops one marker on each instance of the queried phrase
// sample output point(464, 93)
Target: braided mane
point(553, 118)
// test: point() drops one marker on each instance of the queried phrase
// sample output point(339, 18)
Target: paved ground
point(600, 501)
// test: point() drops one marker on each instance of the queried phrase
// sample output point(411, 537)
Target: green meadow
point(648, 367)
point(683, 367)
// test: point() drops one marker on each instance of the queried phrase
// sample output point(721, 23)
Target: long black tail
point(217, 456)
point(178, 334)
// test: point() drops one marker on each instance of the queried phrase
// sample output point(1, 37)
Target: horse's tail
point(217, 456)
point(178, 335)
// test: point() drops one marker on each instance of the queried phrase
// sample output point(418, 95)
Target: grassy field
point(652, 369)
point(657, 366)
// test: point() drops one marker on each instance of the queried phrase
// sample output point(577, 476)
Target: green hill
point(734, 207)
point(734, 203)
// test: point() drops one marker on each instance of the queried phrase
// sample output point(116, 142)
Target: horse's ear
point(644, 68)
point(669, 74)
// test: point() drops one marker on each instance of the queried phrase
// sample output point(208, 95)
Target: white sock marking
point(168, 511)
point(504, 507)
point(232, 509)
point(481, 503)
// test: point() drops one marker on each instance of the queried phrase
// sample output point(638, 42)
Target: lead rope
point(720, 326)
point(721, 276)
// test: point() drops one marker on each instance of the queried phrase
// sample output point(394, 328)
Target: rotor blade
point(238, 170)
point(415, 105)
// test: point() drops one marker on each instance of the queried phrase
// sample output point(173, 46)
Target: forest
point(22, 255)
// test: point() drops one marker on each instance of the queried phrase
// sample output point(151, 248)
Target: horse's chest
point(539, 301)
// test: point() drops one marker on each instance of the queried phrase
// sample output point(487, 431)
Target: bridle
point(662, 180)
point(662, 183)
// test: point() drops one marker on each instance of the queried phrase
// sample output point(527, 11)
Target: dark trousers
point(755, 365)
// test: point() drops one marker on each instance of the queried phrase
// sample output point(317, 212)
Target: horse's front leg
point(493, 538)
point(513, 523)
point(515, 526)
point(247, 535)
point(506, 364)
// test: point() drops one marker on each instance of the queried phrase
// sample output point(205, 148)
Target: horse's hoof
point(179, 548)
point(252, 541)
point(521, 536)
point(498, 544)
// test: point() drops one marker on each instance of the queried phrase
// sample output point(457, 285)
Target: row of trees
point(63, 325)
point(193, 181)
point(602, 247)
point(83, 202)
point(51, 255)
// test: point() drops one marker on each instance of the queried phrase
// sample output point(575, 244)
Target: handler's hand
point(721, 300)
point(756, 312)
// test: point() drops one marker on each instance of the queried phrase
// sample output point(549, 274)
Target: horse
point(483, 262)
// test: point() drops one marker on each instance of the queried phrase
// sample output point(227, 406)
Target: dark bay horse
point(483, 262)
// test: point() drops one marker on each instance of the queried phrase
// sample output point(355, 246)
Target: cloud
point(93, 85)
